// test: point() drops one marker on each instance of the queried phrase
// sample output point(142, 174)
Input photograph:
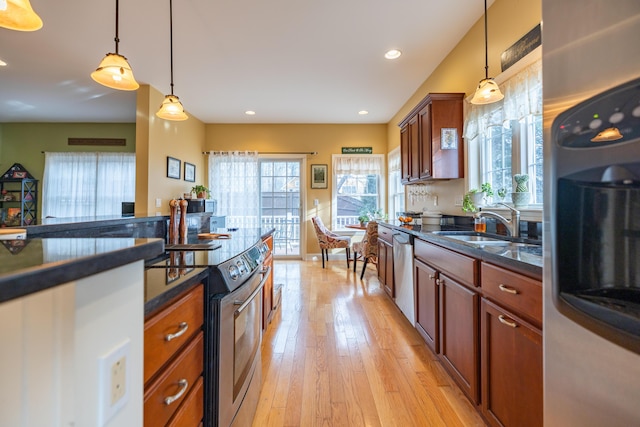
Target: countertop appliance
point(403, 274)
point(589, 47)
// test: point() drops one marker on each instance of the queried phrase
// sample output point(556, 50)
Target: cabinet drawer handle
point(504, 321)
point(184, 384)
point(507, 289)
point(183, 328)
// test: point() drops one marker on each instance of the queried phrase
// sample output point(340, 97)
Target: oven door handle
point(245, 303)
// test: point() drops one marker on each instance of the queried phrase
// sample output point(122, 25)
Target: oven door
point(240, 340)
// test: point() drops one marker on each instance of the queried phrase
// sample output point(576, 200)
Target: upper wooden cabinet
point(431, 142)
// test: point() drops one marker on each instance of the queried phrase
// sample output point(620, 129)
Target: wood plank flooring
point(338, 352)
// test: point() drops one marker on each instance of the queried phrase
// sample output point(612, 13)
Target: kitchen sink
point(477, 239)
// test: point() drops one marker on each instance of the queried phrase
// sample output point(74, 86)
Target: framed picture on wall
point(319, 176)
point(173, 168)
point(189, 172)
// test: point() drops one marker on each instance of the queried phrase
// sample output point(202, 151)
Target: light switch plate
point(114, 383)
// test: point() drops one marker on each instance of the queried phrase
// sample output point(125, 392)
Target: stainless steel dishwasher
point(403, 274)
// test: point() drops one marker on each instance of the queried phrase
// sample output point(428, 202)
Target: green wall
point(24, 143)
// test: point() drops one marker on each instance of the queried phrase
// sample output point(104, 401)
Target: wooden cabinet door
point(424, 124)
point(415, 151)
point(448, 154)
point(459, 333)
point(405, 154)
point(390, 286)
point(511, 369)
point(382, 262)
point(428, 312)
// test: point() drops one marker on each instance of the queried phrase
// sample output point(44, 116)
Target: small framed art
point(173, 168)
point(189, 172)
point(449, 138)
point(319, 176)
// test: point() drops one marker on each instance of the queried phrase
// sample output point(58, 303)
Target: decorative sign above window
point(357, 150)
point(521, 48)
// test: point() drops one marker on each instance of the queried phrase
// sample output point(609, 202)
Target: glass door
point(280, 203)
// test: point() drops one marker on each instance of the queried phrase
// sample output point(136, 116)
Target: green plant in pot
point(201, 191)
point(521, 196)
point(475, 198)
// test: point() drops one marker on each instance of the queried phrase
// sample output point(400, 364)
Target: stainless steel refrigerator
point(591, 375)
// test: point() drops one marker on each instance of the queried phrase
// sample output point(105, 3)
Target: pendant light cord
point(486, 43)
point(171, 39)
point(117, 39)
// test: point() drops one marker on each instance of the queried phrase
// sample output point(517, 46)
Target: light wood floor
point(339, 353)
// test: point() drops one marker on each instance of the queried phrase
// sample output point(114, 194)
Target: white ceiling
point(292, 61)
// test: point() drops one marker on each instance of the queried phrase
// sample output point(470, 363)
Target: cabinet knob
point(183, 326)
point(507, 289)
point(183, 384)
point(432, 276)
point(505, 321)
point(440, 282)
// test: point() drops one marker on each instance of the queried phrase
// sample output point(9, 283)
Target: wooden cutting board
point(214, 236)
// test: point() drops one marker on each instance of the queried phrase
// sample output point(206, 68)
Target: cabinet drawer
point(190, 413)
point(188, 310)
point(456, 265)
point(519, 293)
point(385, 234)
point(176, 381)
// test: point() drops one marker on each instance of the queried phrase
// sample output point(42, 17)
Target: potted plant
point(475, 198)
point(363, 218)
point(201, 191)
point(521, 196)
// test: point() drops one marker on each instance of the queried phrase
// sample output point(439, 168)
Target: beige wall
point(463, 68)
point(155, 140)
point(325, 139)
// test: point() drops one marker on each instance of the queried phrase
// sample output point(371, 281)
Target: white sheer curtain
point(370, 164)
point(522, 97)
point(234, 183)
point(87, 184)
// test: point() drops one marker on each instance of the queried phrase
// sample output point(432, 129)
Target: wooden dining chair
point(330, 240)
point(367, 248)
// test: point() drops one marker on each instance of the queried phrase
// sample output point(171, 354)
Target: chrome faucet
point(512, 225)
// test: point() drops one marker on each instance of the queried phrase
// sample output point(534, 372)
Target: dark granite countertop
point(525, 260)
point(32, 265)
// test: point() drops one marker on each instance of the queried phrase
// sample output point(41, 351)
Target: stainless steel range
point(233, 338)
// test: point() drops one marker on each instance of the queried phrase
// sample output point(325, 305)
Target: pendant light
point(171, 108)
point(114, 71)
point(19, 15)
point(487, 91)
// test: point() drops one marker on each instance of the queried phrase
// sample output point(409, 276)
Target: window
point(87, 184)
point(396, 189)
point(358, 183)
point(506, 137)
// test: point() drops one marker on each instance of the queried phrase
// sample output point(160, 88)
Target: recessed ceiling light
point(250, 113)
point(363, 112)
point(393, 54)
point(2, 63)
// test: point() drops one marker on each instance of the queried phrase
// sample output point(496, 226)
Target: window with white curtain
point(234, 179)
point(87, 184)
point(505, 138)
point(358, 186)
point(396, 189)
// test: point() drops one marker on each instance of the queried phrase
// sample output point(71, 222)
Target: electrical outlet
point(158, 203)
point(316, 202)
point(458, 201)
point(114, 384)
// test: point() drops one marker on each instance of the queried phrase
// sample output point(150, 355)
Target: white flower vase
point(520, 200)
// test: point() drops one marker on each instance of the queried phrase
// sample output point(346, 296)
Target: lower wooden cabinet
point(427, 304)
point(174, 362)
point(511, 369)
point(268, 303)
point(385, 260)
point(459, 333)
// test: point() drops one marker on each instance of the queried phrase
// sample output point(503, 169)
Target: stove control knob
point(234, 273)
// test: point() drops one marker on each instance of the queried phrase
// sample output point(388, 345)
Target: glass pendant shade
point(115, 72)
point(487, 92)
point(19, 15)
point(172, 109)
